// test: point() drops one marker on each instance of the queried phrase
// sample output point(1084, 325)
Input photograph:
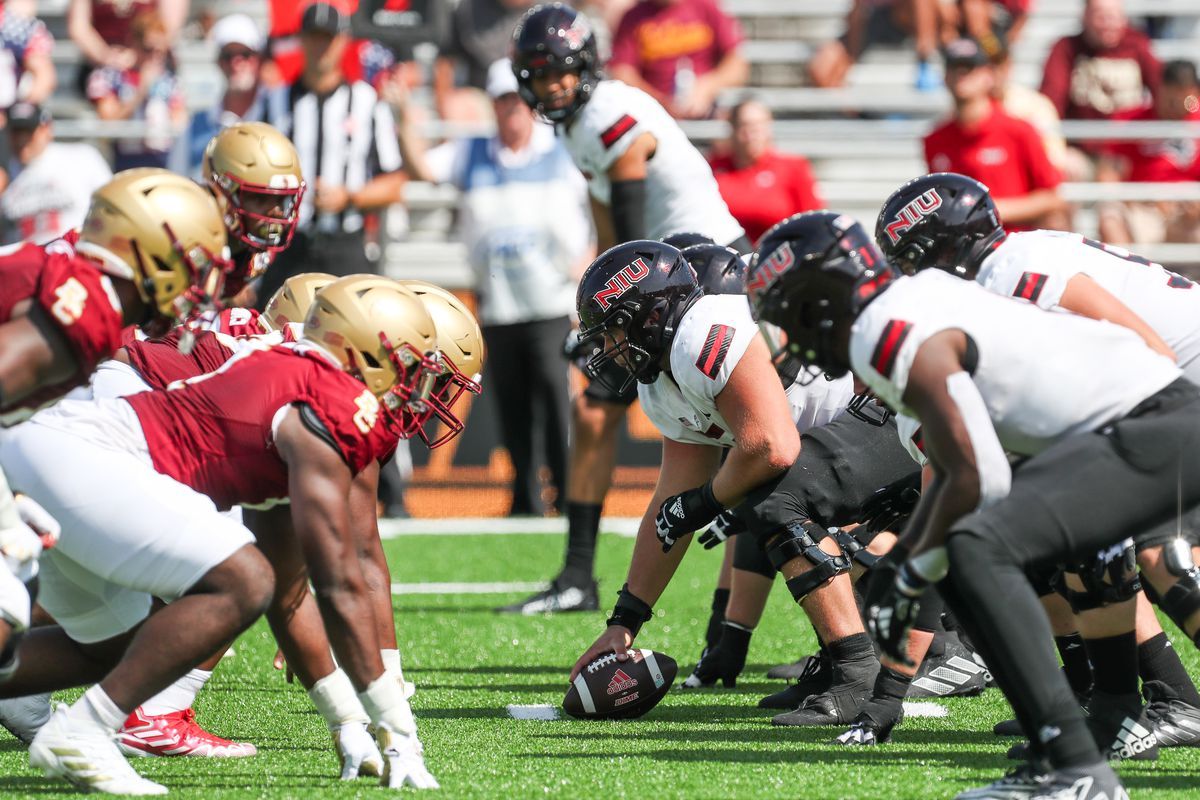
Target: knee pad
point(801, 540)
point(1111, 577)
point(748, 555)
point(1183, 598)
point(854, 544)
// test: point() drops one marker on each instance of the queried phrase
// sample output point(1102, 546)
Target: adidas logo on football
point(1133, 739)
point(620, 682)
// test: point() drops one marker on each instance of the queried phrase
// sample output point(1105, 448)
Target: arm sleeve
point(629, 210)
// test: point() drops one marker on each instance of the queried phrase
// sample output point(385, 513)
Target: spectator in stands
point(1105, 69)
point(362, 59)
point(239, 55)
point(28, 73)
point(348, 152)
point(761, 185)
point(887, 22)
point(147, 91)
point(992, 23)
point(527, 262)
point(1164, 160)
point(682, 53)
point(104, 33)
point(479, 34)
point(1025, 103)
point(982, 141)
point(51, 183)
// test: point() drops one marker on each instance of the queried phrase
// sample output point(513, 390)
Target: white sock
point(97, 708)
point(178, 696)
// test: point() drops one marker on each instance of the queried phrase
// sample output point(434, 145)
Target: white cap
point(237, 29)
point(500, 79)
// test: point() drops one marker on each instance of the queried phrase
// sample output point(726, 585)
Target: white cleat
point(86, 756)
point(23, 717)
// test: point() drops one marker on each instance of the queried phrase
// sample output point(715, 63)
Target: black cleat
point(1121, 726)
point(1176, 723)
point(794, 671)
point(1094, 782)
point(948, 670)
point(1021, 783)
point(1009, 727)
point(853, 685)
point(557, 598)
point(873, 725)
point(818, 678)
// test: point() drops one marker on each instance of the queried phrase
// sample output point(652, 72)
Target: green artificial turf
point(469, 664)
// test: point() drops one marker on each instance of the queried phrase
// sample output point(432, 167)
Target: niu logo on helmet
point(920, 208)
point(769, 269)
point(621, 282)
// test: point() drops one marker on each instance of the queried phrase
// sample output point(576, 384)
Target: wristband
point(334, 697)
point(711, 503)
point(630, 611)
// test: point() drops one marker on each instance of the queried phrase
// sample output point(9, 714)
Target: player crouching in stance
point(141, 511)
point(1098, 416)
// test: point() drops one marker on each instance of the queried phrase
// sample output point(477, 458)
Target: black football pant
point(528, 377)
point(1086, 492)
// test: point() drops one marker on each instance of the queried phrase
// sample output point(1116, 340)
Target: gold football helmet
point(381, 333)
point(254, 171)
point(164, 233)
point(460, 343)
point(290, 303)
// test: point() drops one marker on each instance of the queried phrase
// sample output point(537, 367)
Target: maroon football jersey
point(216, 433)
point(238, 322)
point(77, 298)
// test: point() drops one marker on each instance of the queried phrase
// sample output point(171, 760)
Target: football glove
point(685, 513)
point(356, 751)
point(890, 506)
point(404, 760)
point(892, 603)
point(725, 525)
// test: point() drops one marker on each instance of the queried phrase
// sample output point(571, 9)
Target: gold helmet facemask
point(163, 233)
point(460, 343)
point(254, 171)
point(291, 302)
point(381, 333)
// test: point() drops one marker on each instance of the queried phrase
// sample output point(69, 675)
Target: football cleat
point(794, 671)
point(556, 598)
point(948, 670)
point(86, 755)
point(1176, 723)
point(23, 717)
point(1021, 783)
point(852, 687)
point(817, 678)
point(873, 725)
point(1094, 782)
point(176, 734)
point(1121, 726)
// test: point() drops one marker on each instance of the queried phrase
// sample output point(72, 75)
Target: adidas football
point(612, 689)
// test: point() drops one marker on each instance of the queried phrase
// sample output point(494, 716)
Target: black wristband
point(711, 503)
point(629, 210)
point(630, 611)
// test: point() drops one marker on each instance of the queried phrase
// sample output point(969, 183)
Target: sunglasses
point(232, 55)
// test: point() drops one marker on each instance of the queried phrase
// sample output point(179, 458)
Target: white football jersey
point(1037, 265)
point(1042, 376)
point(711, 339)
point(681, 192)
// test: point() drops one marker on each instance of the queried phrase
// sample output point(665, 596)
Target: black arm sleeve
point(315, 426)
point(629, 210)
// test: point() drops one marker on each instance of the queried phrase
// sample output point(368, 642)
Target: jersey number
point(1174, 279)
point(71, 297)
point(368, 411)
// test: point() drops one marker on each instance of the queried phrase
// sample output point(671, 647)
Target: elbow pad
point(629, 210)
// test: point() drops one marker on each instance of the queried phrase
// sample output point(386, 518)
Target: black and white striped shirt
point(344, 138)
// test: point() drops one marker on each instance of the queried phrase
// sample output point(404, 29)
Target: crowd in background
point(348, 103)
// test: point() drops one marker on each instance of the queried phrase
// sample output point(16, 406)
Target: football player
point(1098, 416)
point(290, 422)
point(647, 180)
point(706, 380)
point(948, 221)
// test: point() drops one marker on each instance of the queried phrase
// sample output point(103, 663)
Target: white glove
point(404, 760)
point(357, 752)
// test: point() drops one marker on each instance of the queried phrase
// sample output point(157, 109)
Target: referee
point(348, 153)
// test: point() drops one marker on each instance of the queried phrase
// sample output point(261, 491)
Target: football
point(612, 689)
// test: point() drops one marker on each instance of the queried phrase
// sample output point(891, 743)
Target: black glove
point(725, 525)
point(892, 602)
point(574, 347)
point(891, 504)
point(723, 662)
point(685, 513)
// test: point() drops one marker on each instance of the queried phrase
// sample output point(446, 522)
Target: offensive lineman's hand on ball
point(357, 752)
point(615, 639)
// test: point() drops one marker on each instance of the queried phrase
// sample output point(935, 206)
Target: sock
point(583, 525)
point(1072, 744)
point(717, 617)
point(1114, 662)
point(855, 647)
point(1075, 662)
point(1158, 661)
point(97, 708)
point(179, 695)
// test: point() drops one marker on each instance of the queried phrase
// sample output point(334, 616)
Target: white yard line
point(466, 588)
point(483, 526)
point(542, 713)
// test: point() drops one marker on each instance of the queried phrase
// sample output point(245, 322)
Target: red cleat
point(176, 734)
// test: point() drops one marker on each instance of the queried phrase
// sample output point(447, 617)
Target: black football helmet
point(719, 270)
point(812, 272)
point(685, 239)
point(555, 37)
point(632, 297)
point(943, 221)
